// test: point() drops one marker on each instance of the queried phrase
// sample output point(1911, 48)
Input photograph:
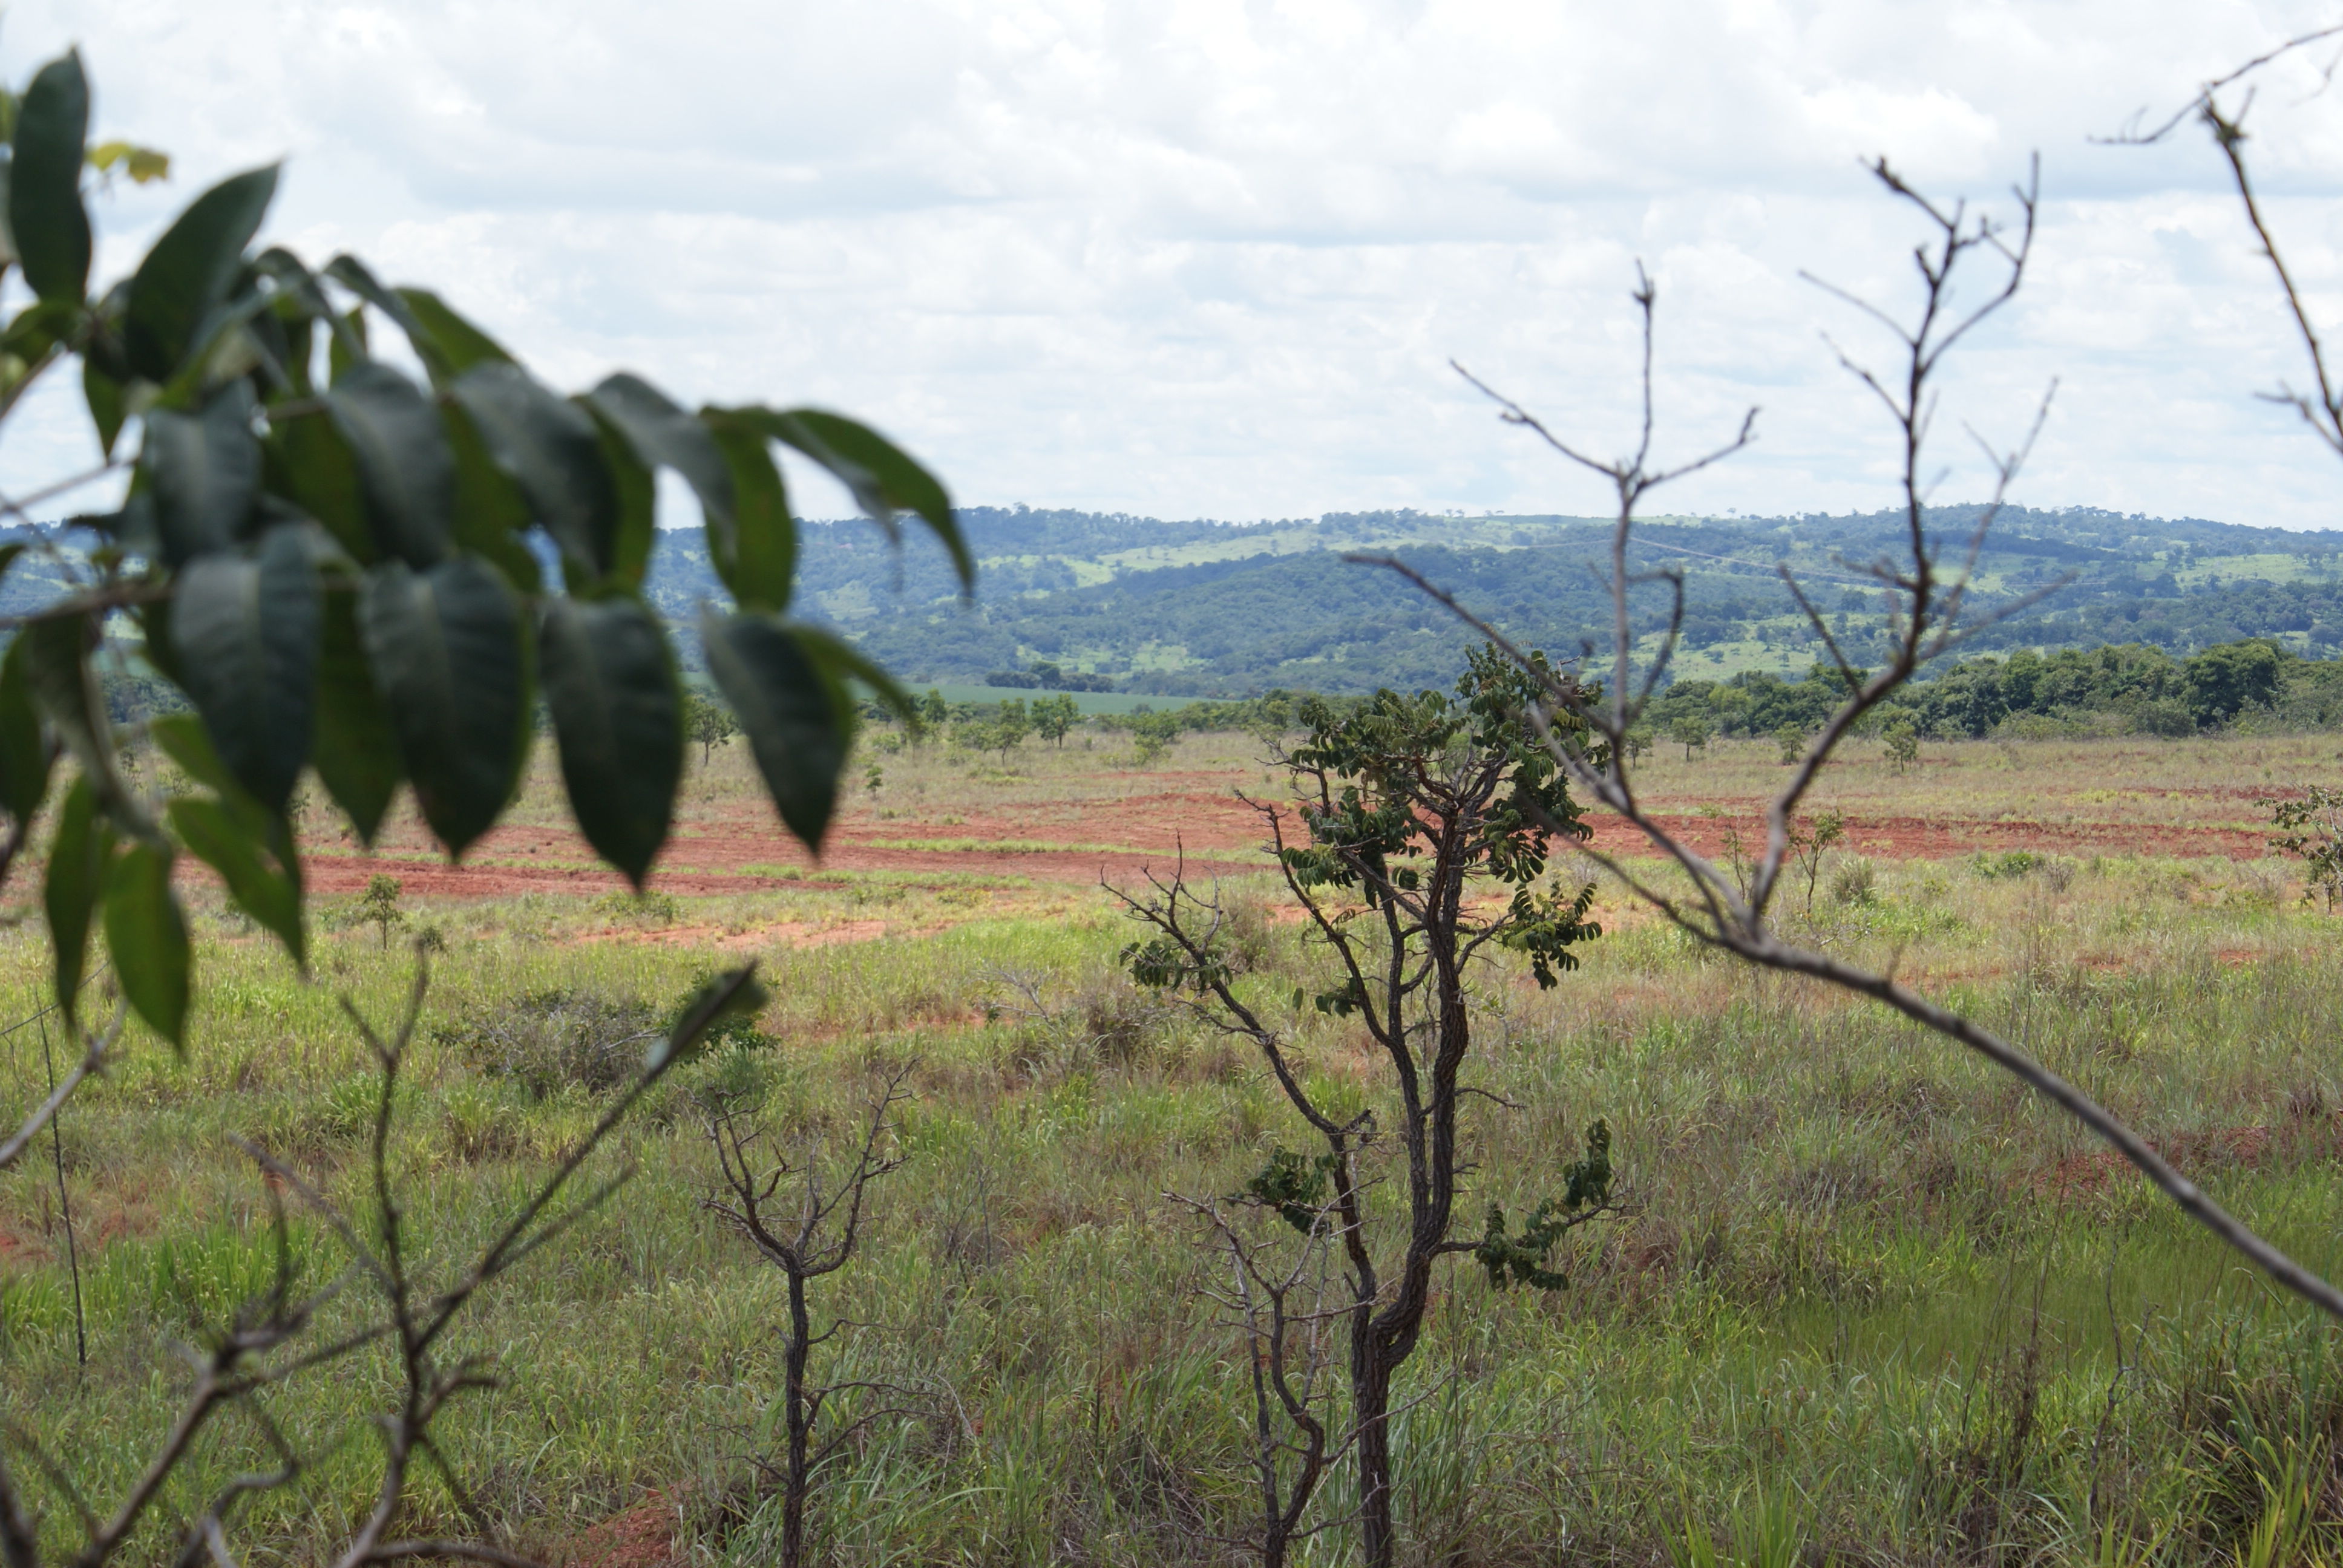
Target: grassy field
point(1866, 1299)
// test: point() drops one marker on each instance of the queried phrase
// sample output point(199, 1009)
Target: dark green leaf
point(554, 454)
point(147, 935)
point(798, 722)
point(246, 630)
point(107, 407)
point(491, 519)
point(638, 497)
point(454, 344)
point(203, 470)
point(754, 551)
point(347, 350)
point(77, 879)
point(845, 661)
point(452, 665)
point(619, 714)
point(881, 474)
point(187, 275)
point(26, 754)
point(357, 751)
point(267, 888)
point(733, 994)
point(66, 690)
point(405, 472)
point(305, 461)
point(45, 216)
point(664, 436)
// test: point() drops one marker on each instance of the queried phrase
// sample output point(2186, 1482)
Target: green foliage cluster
point(345, 569)
point(2310, 829)
point(2131, 688)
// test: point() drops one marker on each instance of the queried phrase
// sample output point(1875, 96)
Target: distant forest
point(1210, 609)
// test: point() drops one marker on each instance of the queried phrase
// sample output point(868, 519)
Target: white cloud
point(1210, 257)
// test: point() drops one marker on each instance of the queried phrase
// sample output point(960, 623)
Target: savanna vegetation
point(1858, 1297)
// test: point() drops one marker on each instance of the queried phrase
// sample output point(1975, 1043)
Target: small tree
point(1152, 735)
point(810, 1232)
point(1011, 728)
point(2310, 829)
point(1792, 740)
point(1903, 740)
point(934, 713)
point(709, 723)
point(1407, 803)
point(1809, 844)
point(1691, 731)
point(378, 906)
point(1055, 716)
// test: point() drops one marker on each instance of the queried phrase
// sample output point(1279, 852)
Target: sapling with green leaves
point(379, 906)
point(1403, 808)
point(1054, 717)
point(2310, 829)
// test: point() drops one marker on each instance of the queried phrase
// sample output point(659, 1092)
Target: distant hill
point(1204, 608)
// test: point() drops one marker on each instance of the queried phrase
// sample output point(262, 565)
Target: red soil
point(741, 847)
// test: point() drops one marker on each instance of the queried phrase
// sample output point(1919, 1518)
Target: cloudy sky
point(1203, 258)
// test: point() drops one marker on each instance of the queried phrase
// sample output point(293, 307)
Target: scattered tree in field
point(807, 1222)
point(1903, 742)
point(874, 778)
point(1152, 735)
point(1792, 741)
point(2310, 829)
point(708, 722)
point(1931, 616)
point(1810, 843)
point(1404, 806)
point(1692, 732)
point(379, 906)
point(1055, 716)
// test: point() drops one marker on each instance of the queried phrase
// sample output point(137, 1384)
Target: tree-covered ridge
point(1203, 608)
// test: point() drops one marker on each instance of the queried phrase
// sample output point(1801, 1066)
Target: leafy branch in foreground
point(338, 564)
point(276, 1336)
point(1929, 615)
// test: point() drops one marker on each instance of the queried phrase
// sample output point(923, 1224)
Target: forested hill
point(1211, 608)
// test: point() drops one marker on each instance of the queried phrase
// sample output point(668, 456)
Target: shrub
point(553, 1039)
point(1855, 883)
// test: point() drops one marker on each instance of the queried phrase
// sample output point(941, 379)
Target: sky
point(1210, 259)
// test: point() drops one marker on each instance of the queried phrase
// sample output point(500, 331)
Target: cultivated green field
point(1866, 1301)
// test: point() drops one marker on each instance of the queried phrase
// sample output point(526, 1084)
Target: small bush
point(553, 1039)
point(1855, 883)
point(2008, 865)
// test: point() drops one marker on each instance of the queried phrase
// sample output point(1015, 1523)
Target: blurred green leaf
point(246, 630)
point(46, 216)
point(454, 343)
point(491, 517)
point(797, 717)
point(452, 665)
point(264, 882)
point(66, 690)
point(754, 551)
point(734, 994)
point(26, 755)
point(553, 452)
point(107, 406)
point(405, 472)
point(76, 878)
point(618, 713)
point(147, 935)
point(144, 165)
point(845, 661)
point(664, 436)
point(638, 501)
point(305, 460)
point(187, 275)
point(883, 477)
point(357, 750)
point(203, 471)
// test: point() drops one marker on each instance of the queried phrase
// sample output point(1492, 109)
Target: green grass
point(1865, 1294)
